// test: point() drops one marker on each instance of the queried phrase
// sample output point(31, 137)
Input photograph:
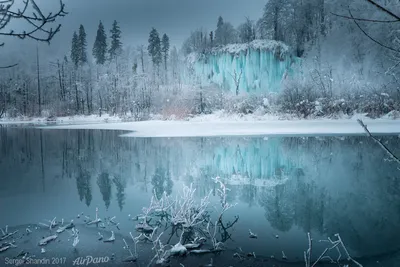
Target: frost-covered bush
point(245, 104)
point(298, 98)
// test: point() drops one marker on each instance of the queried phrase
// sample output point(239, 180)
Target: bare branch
point(10, 66)
point(379, 142)
point(38, 20)
point(384, 9)
point(362, 19)
point(371, 38)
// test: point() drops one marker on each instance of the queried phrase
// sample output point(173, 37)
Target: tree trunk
point(276, 16)
point(87, 99)
point(165, 68)
point(63, 80)
point(76, 94)
point(25, 101)
point(38, 81)
point(141, 58)
point(60, 81)
point(101, 104)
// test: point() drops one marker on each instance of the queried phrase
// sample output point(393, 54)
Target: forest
point(348, 54)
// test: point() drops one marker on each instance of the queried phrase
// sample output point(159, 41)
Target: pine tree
point(154, 47)
point(211, 39)
point(165, 52)
point(75, 50)
point(116, 44)
point(82, 45)
point(100, 45)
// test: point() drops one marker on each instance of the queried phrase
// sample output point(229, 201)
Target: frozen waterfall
point(261, 65)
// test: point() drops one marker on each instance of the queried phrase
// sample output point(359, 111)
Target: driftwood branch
point(390, 13)
point(390, 153)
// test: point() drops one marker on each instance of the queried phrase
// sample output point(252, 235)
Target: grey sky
point(136, 17)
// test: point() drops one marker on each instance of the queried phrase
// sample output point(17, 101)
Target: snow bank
point(267, 45)
point(236, 49)
point(80, 119)
point(243, 128)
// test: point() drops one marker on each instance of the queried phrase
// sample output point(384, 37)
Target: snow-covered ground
point(221, 124)
point(245, 128)
point(78, 119)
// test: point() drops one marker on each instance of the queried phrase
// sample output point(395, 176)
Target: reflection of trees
point(342, 187)
point(84, 186)
point(104, 183)
point(279, 214)
point(335, 184)
point(162, 182)
point(249, 194)
point(120, 185)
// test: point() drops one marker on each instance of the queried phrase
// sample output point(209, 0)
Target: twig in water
point(111, 239)
point(252, 235)
point(335, 245)
point(76, 237)
point(97, 220)
point(131, 258)
point(390, 153)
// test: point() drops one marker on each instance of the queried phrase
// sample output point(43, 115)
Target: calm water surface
point(283, 187)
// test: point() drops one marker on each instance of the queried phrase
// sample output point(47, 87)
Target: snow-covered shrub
point(243, 104)
point(298, 98)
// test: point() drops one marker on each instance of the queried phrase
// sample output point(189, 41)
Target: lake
point(281, 188)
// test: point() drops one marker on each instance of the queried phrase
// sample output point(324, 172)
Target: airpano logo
point(84, 261)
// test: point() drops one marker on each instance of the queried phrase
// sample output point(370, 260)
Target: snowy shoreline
point(217, 125)
point(241, 128)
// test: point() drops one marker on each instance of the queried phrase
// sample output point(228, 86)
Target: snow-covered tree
point(246, 31)
point(116, 44)
point(154, 48)
point(100, 45)
point(75, 49)
point(82, 45)
point(165, 52)
point(225, 33)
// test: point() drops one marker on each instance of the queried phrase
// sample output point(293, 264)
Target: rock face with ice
point(261, 66)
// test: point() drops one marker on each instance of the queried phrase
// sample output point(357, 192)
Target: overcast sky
point(176, 18)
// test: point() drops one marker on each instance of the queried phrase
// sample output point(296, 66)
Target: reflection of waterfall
point(104, 183)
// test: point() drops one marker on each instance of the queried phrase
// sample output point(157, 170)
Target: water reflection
point(323, 185)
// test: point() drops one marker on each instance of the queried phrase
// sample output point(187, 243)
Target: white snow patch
point(270, 45)
point(242, 128)
point(224, 124)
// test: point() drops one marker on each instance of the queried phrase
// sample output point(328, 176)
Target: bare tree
point(394, 19)
point(236, 79)
point(37, 21)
